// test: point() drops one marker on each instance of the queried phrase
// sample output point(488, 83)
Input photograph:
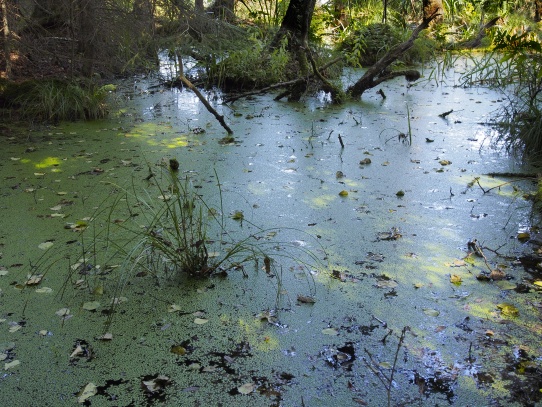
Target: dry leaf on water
point(88, 391)
point(246, 388)
point(330, 331)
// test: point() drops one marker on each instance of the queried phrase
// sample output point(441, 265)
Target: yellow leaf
point(538, 283)
point(455, 279)
point(178, 350)
point(508, 309)
point(343, 193)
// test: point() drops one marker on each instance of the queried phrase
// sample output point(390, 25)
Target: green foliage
point(250, 67)
point(54, 100)
point(366, 45)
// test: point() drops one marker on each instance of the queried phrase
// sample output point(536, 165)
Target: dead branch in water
point(220, 118)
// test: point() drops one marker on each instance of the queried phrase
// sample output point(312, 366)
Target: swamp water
point(391, 234)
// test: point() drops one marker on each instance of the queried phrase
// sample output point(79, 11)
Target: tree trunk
point(433, 7)
point(295, 27)
point(87, 35)
point(7, 37)
point(537, 11)
point(295, 24)
point(198, 6)
point(339, 13)
point(223, 9)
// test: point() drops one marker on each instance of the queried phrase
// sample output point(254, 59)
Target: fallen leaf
point(173, 308)
point(178, 350)
point(400, 193)
point(455, 279)
point(77, 352)
point(11, 364)
point(497, 275)
point(246, 388)
point(106, 336)
point(386, 284)
point(62, 312)
point(508, 309)
point(88, 391)
point(444, 162)
point(431, 312)
point(238, 215)
point(343, 193)
point(330, 331)
point(306, 299)
point(524, 236)
point(91, 305)
point(34, 279)
point(44, 290)
point(506, 285)
point(157, 383)
point(45, 245)
point(365, 161)
point(538, 283)
point(200, 321)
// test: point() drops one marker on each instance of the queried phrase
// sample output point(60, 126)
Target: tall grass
point(56, 100)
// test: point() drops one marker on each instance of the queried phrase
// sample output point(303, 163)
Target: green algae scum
point(391, 273)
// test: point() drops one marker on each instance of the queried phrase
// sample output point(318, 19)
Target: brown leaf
point(306, 299)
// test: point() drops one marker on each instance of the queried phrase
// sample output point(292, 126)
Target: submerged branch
point(220, 118)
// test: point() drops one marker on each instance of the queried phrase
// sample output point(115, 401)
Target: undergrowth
point(55, 100)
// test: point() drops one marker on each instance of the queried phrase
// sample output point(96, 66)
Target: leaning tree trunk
point(378, 73)
point(295, 27)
